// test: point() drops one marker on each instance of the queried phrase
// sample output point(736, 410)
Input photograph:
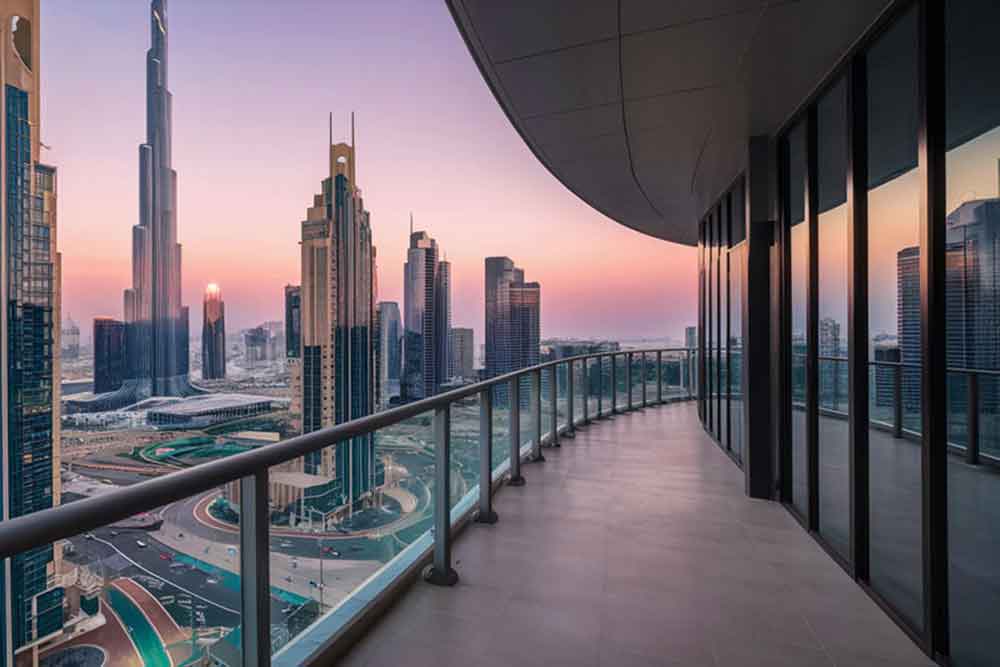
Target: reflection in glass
point(973, 324)
point(799, 250)
point(834, 441)
point(893, 315)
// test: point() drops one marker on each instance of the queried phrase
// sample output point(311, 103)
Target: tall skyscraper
point(691, 338)
point(390, 344)
point(213, 334)
point(461, 353)
point(31, 599)
point(513, 316)
point(156, 321)
point(337, 378)
point(426, 318)
point(109, 354)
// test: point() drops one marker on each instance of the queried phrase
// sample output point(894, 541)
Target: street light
point(319, 536)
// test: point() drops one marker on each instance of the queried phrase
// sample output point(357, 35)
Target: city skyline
point(214, 157)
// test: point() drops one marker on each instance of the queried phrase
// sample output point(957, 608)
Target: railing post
point(585, 388)
point(255, 561)
point(515, 433)
point(536, 413)
point(554, 397)
point(614, 384)
point(570, 399)
point(642, 363)
point(440, 572)
point(629, 360)
point(659, 376)
point(486, 513)
point(897, 391)
point(972, 451)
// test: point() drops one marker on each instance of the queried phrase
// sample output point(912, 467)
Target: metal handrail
point(26, 532)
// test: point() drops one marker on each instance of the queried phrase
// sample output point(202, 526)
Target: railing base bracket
point(437, 577)
point(487, 517)
point(516, 481)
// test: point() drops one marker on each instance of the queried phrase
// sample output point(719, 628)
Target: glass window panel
point(736, 267)
point(973, 324)
point(834, 441)
point(799, 250)
point(893, 316)
point(724, 322)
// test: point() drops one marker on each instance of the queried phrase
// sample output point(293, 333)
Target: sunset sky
point(253, 83)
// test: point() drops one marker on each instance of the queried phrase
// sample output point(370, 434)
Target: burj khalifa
point(156, 347)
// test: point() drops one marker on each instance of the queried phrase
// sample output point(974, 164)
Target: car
point(176, 566)
point(286, 545)
point(165, 556)
point(286, 610)
point(114, 533)
point(141, 544)
point(88, 536)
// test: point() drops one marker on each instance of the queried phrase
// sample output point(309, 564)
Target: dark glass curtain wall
point(887, 262)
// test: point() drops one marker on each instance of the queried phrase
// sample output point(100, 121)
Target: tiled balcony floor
point(634, 545)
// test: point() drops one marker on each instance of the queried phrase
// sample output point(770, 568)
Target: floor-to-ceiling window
point(973, 327)
point(895, 486)
point(798, 237)
point(737, 273)
point(723, 433)
point(831, 196)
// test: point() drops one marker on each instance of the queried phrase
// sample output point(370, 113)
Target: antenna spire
point(331, 128)
point(411, 223)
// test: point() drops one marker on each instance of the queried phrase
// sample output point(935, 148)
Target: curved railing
point(615, 391)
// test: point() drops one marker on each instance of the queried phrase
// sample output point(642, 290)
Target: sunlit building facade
point(336, 380)
point(213, 334)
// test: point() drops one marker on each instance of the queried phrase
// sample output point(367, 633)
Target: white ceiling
point(648, 123)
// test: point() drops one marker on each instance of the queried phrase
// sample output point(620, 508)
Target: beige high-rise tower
point(335, 380)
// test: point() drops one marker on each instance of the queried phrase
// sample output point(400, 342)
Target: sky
point(253, 83)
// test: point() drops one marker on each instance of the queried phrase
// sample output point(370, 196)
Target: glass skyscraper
point(426, 318)
point(157, 322)
point(213, 334)
point(31, 324)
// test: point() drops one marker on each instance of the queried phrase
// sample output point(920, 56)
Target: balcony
point(635, 544)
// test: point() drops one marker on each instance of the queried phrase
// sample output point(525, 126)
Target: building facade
point(336, 380)
point(31, 600)
point(156, 320)
point(513, 318)
point(426, 318)
point(462, 345)
point(390, 349)
point(213, 334)
point(109, 354)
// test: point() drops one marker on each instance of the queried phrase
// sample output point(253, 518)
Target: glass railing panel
point(607, 380)
point(547, 404)
point(345, 522)
point(579, 380)
point(167, 583)
point(621, 381)
point(501, 425)
point(562, 393)
point(465, 416)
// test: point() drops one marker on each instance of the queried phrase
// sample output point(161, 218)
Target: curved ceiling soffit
point(460, 16)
